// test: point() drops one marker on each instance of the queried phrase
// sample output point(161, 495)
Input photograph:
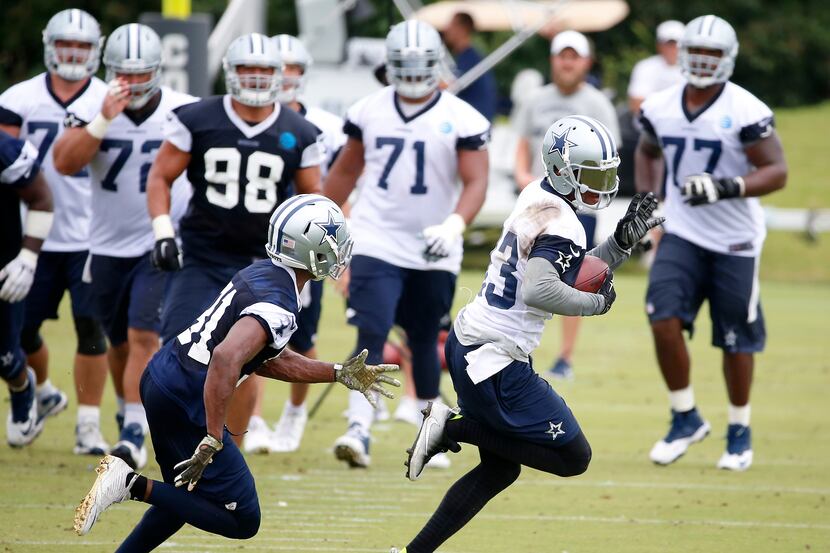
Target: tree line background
point(784, 55)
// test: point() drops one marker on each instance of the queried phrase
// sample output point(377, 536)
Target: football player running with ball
point(721, 152)
point(506, 409)
point(119, 145)
point(188, 385)
point(409, 144)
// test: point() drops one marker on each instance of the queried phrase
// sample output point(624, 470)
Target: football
point(592, 274)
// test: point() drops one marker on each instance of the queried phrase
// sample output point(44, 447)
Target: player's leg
point(22, 424)
point(155, 527)
point(738, 329)
point(374, 290)
point(42, 303)
point(677, 285)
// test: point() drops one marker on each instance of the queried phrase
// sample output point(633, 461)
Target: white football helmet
point(292, 52)
point(253, 50)
point(72, 64)
point(309, 232)
point(413, 58)
point(714, 33)
point(134, 48)
point(580, 156)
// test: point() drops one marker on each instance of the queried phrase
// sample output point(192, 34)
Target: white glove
point(18, 276)
point(440, 239)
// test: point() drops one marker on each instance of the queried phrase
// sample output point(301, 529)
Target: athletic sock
point(682, 400)
point(291, 409)
point(739, 415)
point(121, 403)
point(89, 414)
point(360, 410)
point(464, 500)
point(139, 488)
point(45, 389)
point(134, 414)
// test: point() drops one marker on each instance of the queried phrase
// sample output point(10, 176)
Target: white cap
point(571, 39)
point(670, 30)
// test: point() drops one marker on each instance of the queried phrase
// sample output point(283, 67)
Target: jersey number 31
point(223, 167)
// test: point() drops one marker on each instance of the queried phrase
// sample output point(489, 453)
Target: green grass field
point(311, 503)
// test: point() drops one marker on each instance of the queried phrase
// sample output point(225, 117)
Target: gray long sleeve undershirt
point(544, 289)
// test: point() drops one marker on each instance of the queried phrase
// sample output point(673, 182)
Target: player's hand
point(703, 189)
point(17, 276)
point(637, 221)
point(608, 293)
point(440, 239)
point(166, 255)
point(192, 469)
point(355, 374)
point(117, 98)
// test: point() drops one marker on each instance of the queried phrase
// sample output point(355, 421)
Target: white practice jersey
point(332, 137)
point(542, 224)
point(711, 141)
point(410, 180)
point(121, 225)
point(33, 106)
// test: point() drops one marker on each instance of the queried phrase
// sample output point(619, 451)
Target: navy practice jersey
point(239, 173)
point(264, 290)
point(18, 167)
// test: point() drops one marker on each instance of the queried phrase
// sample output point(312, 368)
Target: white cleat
point(430, 439)
point(407, 411)
point(110, 487)
point(288, 432)
point(23, 432)
point(738, 454)
point(353, 447)
point(258, 437)
point(439, 461)
point(737, 462)
point(88, 440)
point(50, 405)
point(686, 429)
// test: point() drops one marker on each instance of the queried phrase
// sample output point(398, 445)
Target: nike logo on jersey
point(575, 253)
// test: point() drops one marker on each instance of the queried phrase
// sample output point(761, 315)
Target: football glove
point(703, 189)
point(637, 221)
point(192, 469)
point(440, 239)
point(166, 254)
point(355, 374)
point(18, 276)
point(608, 294)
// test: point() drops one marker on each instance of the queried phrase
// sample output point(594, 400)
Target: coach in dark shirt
point(481, 94)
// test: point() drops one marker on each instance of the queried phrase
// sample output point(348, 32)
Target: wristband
point(28, 255)
point(741, 186)
point(163, 227)
point(38, 224)
point(98, 126)
point(212, 442)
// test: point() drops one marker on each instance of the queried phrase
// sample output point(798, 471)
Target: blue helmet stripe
point(597, 132)
point(304, 202)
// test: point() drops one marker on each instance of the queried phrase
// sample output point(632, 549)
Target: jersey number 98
point(223, 167)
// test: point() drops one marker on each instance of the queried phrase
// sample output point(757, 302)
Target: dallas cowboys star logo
point(564, 261)
point(6, 359)
point(330, 228)
point(555, 430)
point(561, 143)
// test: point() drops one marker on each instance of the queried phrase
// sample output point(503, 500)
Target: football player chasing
point(20, 179)
point(506, 409)
point(408, 146)
point(37, 110)
point(288, 432)
point(119, 144)
point(719, 150)
point(242, 151)
point(188, 385)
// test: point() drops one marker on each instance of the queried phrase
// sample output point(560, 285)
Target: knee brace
point(31, 340)
point(91, 339)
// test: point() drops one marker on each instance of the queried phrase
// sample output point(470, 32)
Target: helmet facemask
point(414, 74)
point(586, 178)
point(140, 93)
point(71, 63)
point(291, 85)
point(252, 89)
point(705, 69)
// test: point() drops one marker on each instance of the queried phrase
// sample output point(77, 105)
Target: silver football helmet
point(413, 58)
point(252, 50)
point(72, 64)
point(580, 156)
point(135, 48)
point(292, 52)
point(714, 33)
point(309, 232)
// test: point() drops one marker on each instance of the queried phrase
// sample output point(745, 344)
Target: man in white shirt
point(659, 71)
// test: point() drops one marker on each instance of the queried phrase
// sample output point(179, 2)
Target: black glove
point(703, 189)
point(166, 255)
point(608, 293)
point(636, 223)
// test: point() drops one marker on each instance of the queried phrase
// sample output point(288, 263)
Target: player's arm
point(78, 145)
point(770, 174)
point(347, 168)
point(543, 288)
point(522, 165)
point(631, 228)
point(168, 165)
point(307, 180)
point(648, 165)
point(12, 130)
